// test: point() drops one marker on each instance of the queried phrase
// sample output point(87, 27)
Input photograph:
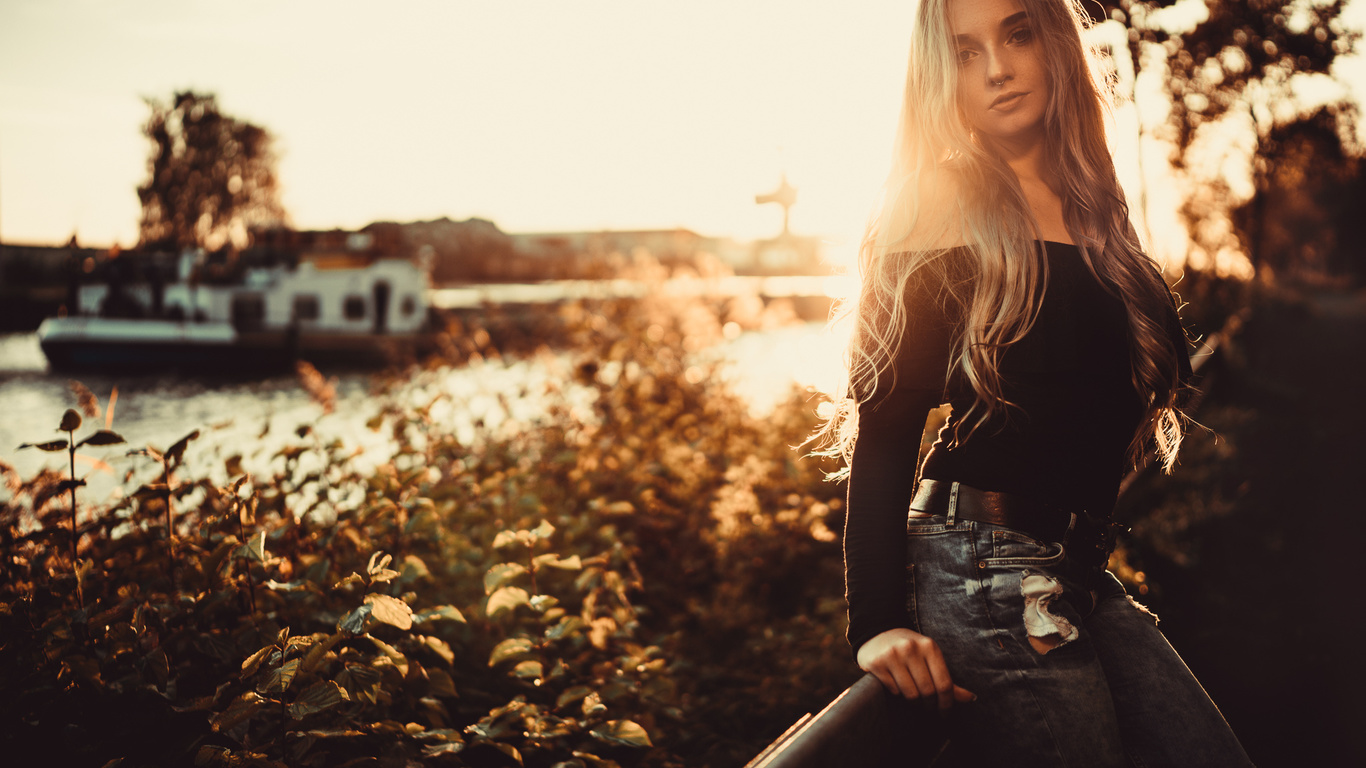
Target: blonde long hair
point(904, 242)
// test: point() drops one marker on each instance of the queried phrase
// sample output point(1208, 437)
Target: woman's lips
point(1007, 101)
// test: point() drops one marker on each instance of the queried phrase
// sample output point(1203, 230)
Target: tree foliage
point(1233, 72)
point(1241, 54)
point(210, 176)
point(1304, 218)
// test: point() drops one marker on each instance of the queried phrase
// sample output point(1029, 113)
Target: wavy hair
point(948, 188)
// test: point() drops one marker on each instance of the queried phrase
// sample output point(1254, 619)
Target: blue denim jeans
point(1068, 670)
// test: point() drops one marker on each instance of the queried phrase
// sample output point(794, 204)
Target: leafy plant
point(644, 575)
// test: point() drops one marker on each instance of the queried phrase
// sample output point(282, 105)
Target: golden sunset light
point(538, 116)
point(714, 383)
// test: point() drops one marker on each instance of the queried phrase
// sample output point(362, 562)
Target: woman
point(1002, 275)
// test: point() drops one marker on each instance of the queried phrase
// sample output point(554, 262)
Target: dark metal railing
point(866, 726)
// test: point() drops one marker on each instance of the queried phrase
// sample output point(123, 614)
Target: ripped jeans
point(1068, 670)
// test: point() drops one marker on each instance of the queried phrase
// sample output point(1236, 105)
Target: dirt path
point(1252, 547)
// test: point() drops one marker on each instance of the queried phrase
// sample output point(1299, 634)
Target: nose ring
point(998, 83)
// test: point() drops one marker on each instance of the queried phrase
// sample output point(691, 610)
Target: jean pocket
point(1010, 547)
point(927, 526)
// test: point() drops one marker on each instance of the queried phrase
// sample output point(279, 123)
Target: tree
point(210, 176)
point(1232, 71)
point(1233, 54)
point(1304, 220)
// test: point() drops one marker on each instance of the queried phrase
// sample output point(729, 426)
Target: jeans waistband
point(1088, 541)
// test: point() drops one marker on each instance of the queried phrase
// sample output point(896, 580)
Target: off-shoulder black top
point(1066, 443)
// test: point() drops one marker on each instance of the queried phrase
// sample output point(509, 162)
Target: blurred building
point(37, 281)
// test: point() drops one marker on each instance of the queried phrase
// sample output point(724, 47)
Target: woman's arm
point(881, 483)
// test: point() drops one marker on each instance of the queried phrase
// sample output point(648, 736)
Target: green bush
point(651, 580)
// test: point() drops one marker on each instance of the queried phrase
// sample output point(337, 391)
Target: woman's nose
point(998, 69)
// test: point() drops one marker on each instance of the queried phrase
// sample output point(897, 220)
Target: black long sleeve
point(881, 483)
point(882, 472)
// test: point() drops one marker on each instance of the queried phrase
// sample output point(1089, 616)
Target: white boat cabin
point(322, 295)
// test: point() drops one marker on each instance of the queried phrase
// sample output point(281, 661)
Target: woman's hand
point(911, 665)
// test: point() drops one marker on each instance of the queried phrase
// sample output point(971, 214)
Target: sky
point(539, 115)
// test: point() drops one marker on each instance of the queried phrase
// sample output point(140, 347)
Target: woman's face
point(1003, 89)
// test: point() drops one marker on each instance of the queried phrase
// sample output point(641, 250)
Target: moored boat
point(346, 306)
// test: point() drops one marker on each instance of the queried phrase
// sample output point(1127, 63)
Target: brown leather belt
point(1087, 540)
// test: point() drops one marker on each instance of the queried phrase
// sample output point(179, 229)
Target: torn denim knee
point(1046, 630)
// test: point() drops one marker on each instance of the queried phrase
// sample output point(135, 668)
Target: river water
point(256, 417)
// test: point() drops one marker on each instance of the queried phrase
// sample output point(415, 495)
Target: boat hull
point(96, 344)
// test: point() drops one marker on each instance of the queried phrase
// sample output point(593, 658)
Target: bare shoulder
point(929, 214)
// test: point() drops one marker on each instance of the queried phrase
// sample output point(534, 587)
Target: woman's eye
point(965, 55)
point(1022, 35)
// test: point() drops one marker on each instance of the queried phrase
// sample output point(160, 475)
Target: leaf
point(255, 549)
point(400, 661)
point(317, 652)
point(213, 756)
point(449, 748)
point(571, 563)
point(596, 762)
point(332, 733)
point(501, 574)
point(623, 732)
point(440, 648)
point(505, 599)
point(446, 612)
point(503, 539)
point(354, 578)
point(150, 491)
point(592, 705)
point(356, 622)
point(567, 626)
point(102, 437)
point(50, 447)
point(544, 530)
point(242, 708)
point(287, 586)
point(572, 694)
point(373, 567)
point(71, 421)
point(528, 670)
point(279, 679)
point(361, 682)
point(324, 695)
point(380, 572)
point(390, 610)
point(441, 683)
point(601, 630)
point(510, 648)
point(544, 603)
point(413, 569)
point(176, 451)
point(82, 570)
point(253, 661)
